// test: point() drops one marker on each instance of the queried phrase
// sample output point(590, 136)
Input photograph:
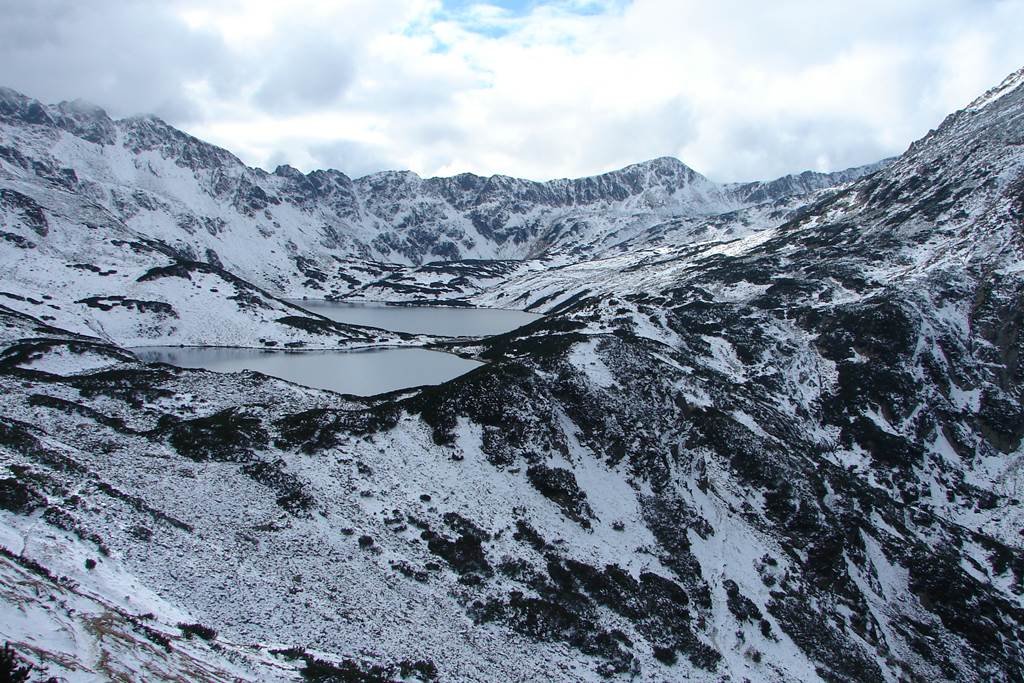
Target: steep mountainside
point(73, 264)
point(796, 455)
point(284, 231)
point(90, 206)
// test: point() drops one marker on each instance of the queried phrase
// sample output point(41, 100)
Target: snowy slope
point(794, 453)
point(285, 231)
point(89, 206)
point(72, 263)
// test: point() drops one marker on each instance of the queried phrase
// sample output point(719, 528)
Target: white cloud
point(538, 89)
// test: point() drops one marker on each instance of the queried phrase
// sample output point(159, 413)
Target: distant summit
point(164, 181)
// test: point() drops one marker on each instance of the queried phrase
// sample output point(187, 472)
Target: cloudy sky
point(737, 89)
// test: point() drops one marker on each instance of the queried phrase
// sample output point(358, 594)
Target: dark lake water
point(349, 372)
point(440, 320)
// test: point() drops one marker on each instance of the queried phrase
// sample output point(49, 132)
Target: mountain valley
point(766, 431)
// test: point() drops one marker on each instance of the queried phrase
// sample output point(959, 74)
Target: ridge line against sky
point(540, 90)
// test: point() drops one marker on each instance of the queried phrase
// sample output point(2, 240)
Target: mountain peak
point(85, 120)
point(80, 106)
point(665, 168)
point(11, 95)
point(665, 162)
point(288, 171)
point(19, 107)
point(1009, 84)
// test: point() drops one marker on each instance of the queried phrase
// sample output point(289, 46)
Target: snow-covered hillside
point(285, 231)
point(90, 205)
point(790, 453)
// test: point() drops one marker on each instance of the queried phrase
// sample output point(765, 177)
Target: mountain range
point(769, 431)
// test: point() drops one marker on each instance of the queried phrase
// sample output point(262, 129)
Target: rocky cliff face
point(792, 455)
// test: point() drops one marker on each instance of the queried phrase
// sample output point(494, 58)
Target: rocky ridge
point(794, 455)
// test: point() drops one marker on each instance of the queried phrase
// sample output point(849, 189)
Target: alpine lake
point(360, 372)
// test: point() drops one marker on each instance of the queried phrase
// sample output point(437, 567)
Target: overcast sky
point(738, 89)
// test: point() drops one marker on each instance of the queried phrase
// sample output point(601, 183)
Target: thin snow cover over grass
point(776, 444)
point(885, 586)
point(738, 246)
point(618, 529)
point(82, 624)
point(750, 423)
point(737, 291)
point(65, 361)
point(732, 553)
point(586, 357)
point(723, 358)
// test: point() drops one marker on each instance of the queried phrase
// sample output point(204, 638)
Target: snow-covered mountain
point(201, 201)
point(90, 206)
point(789, 453)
